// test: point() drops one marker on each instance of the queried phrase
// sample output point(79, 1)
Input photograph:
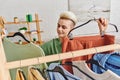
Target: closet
point(5, 66)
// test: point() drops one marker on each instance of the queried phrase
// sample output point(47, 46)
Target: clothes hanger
point(70, 64)
point(70, 36)
point(20, 75)
point(92, 61)
point(19, 34)
point(43, 74)
point(59, 70)
point(37, 73)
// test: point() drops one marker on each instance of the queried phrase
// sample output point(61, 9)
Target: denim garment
point(109, 61)
point(58, 76)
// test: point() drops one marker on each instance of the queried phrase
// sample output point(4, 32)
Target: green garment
point(51, 47)
point(15, 52)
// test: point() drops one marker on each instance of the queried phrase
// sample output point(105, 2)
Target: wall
point(49, 11)
point(89, 9)
point(115, 16)
point(92, 27)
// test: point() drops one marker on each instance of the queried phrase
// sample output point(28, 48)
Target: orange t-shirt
point(78, 43)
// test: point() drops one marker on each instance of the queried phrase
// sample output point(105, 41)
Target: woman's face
point(63, 27)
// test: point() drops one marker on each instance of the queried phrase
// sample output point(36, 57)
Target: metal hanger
point(70, 64)
point(59, 70)
point(70, 35)
point(92, 61)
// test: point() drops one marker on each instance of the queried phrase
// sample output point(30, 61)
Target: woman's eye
point(64, 27)
point(58, 25)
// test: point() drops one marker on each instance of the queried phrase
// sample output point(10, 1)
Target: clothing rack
point(5, 66)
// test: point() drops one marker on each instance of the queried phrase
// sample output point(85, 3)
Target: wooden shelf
point(28, 32)
point(23, 22)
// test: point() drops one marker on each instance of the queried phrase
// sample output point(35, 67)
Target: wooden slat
point(22, 22)
point(55, 57)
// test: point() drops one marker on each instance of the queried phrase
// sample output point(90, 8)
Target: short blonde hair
point(69, 15)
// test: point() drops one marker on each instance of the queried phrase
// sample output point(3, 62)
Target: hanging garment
point(34, 74)
point(20, 75)
point(85, 42)
point(109, 61)
point(15, 52)
point(58, 76)
point(107, 75)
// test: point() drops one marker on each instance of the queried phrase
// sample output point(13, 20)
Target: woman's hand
point(103, 24)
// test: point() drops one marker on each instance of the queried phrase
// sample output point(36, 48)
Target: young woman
point(66, 22)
